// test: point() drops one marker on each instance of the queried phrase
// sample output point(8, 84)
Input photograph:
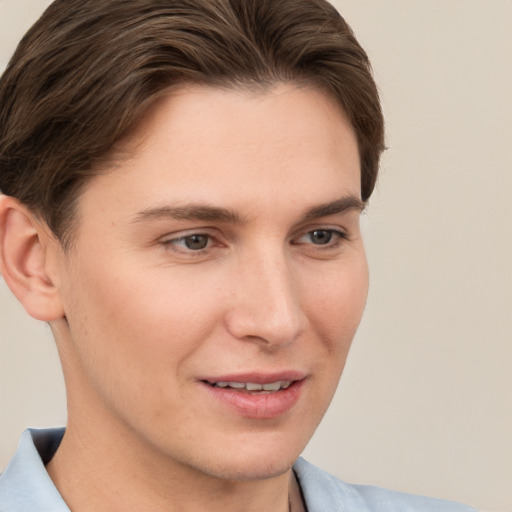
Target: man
point(182, 183)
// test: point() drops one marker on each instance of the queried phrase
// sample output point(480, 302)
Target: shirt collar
point(25, 483)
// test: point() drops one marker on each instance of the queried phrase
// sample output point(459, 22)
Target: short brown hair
point(87, 70)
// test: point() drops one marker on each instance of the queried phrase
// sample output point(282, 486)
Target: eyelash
point(336, 238)
point(174, 242)
point(336, 234)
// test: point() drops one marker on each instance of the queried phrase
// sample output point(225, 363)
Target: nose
point(266, 306)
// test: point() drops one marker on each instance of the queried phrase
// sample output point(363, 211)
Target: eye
point(321, 237)
point(194, 242)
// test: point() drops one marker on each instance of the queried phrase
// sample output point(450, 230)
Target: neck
point(94, 471)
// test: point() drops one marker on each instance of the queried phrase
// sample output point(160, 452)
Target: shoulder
point(324, 492)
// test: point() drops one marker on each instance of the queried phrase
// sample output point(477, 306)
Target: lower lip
point(258, 405)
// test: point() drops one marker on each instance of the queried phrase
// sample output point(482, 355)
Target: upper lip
point(257, 377)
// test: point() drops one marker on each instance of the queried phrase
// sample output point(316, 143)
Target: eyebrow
point(342, 205)
point(192, 211)
point(204, 212)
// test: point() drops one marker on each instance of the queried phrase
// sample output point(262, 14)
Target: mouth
point(257, 396)
point(253, 387)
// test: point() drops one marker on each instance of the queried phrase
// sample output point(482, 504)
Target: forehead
point(215, 145)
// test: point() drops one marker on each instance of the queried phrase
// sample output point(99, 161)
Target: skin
point(142, 314)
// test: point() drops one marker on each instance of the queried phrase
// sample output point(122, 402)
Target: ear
point(28, 260)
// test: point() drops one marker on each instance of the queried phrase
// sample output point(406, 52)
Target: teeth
point(273, 386)
point(236, 385)
point(251, 386)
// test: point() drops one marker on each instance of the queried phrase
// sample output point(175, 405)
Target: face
point(216, 280)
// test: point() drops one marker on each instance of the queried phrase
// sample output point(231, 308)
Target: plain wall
point(425, 404)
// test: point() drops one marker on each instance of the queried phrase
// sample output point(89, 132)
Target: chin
point(252, 461)
point(257, 469)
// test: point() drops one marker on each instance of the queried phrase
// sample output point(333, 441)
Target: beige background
point(425, 404)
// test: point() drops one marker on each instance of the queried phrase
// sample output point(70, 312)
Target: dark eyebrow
point(191, 212)
point(338, 206)
point(208, 213)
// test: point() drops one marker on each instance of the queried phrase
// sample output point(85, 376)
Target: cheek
point(334, 311)
point(337, 303)
point(132, 338)
point(125, 320)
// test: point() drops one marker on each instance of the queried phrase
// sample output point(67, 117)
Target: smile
point(252, 386)
point(255, 400)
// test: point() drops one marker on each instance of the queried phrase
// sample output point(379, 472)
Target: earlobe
point(26, 254)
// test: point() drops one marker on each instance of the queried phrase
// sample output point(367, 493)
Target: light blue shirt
point(25, 486)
